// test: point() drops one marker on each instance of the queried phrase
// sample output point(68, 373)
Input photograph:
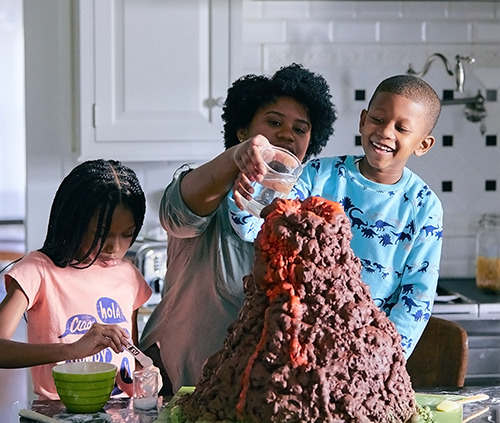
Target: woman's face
point(284, 123)
point(121, 233)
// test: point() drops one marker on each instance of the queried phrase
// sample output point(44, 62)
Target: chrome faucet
point(474, 106)
point(458, 74)
point(474, 109)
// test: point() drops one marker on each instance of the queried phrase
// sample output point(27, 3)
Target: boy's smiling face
point(394, 128)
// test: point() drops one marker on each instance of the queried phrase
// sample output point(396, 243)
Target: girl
point(76, 290)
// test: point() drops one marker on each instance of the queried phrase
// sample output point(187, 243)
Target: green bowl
point(84, 387)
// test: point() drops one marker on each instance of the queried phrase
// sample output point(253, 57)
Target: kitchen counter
point(492, 415)
point(467, 300)
point(119, 410)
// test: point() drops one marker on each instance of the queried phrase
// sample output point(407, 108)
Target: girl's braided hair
point(250, 93)
point(93, 186)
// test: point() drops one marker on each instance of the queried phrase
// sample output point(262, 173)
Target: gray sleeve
point(175, 216)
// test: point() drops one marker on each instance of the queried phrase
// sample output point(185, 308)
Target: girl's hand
point(101, 336)
point(248, 157)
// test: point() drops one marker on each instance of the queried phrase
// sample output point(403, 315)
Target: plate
point(431, 400)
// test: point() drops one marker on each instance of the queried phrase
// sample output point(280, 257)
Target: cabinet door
point(152, 78)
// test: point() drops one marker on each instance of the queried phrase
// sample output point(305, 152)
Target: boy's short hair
point(415, 89)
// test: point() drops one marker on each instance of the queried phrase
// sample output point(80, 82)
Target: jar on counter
point(488, 253)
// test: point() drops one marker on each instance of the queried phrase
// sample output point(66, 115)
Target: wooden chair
point(440, 357)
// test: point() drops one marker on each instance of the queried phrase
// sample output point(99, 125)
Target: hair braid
point(93, 186)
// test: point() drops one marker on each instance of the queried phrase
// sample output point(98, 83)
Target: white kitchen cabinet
point(152, 76)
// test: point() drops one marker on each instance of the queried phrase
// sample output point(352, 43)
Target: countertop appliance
point(478, 312)
point(150, 257)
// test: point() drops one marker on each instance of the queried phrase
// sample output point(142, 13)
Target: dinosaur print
point(424, 267)
point(420, 315)
point(402, 236)
point(407, 289)
point(316, 164)
point(346, 204)
point(427, 305)
point(356, 221)
point(385, 240)
point(240, 220)
point(429, 229)
point(380, 225)
point(408, 302)
point(368, 233)
point(411, 227)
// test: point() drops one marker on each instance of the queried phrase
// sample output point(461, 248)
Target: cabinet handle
point(214, 102)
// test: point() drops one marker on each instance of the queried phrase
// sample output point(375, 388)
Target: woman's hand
point(248, 158)
point(98, 337)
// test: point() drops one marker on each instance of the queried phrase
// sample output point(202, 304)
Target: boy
point(396, 219)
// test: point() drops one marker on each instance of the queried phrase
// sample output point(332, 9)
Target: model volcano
point(309, 345)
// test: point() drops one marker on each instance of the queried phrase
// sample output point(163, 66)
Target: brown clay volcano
point(309, 345)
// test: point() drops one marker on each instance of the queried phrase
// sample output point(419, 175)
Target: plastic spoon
point(139, 355)
point(448, 405)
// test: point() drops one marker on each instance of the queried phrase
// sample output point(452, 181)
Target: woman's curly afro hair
point(250, 93)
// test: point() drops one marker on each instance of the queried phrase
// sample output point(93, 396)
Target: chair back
point(440, 356)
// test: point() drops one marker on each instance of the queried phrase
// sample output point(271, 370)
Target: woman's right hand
point(98, 337)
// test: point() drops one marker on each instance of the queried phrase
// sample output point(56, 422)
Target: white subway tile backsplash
point(354, 31)
point(486, 32)
point(308, 32)
point(264, 32)
point(286, 10)
point(252, 58)
point(401, 32)
point(417, 10)
point(332, 9)
point(252, 10)
point(378, 9)
point(452, 32)
point(471, 10)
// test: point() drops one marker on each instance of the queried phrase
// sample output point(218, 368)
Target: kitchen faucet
point(458, 74)
point(474, 106)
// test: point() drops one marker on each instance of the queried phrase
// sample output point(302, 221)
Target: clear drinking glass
point(146, 386)
point(283, 170)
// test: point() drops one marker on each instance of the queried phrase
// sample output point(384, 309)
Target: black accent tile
point(491, 95)
point(490, 185)
point(448, 94)
point(447, 140)
point(491, 140)
point(447, 186)
point(357, 140)
point(360, 95)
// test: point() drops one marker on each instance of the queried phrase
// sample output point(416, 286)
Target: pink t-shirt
point(65, 302)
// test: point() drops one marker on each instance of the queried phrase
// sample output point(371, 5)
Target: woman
point(206, 259)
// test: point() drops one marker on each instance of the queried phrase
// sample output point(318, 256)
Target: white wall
point(354, 45)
